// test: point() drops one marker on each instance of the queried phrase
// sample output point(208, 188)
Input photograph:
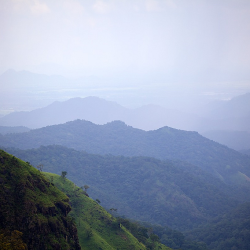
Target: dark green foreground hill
point(33, 206)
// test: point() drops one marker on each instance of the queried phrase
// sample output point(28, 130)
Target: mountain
point(98, 229)
point(237, 107)
point(8, 130)
point(100, 111)
point(119, 139)
point(169, 193)
point(32, 207)
point(228, 122)
point(230, 231)
point(238, 140)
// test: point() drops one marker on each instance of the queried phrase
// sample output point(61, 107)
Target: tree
point(63, 175)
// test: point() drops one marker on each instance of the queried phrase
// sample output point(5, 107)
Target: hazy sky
point(173, 44)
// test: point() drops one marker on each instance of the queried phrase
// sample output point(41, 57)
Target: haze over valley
point(125, 124)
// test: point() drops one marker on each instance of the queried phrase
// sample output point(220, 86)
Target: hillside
point(34, 207)
point(168, 193)
point(98, 229)
point(119, 139)
point(8, 130)
point(230, 231)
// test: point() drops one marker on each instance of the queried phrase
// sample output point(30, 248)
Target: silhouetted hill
point(168, 193)
point(100, 111)
point(119, 139)
point(8, 130)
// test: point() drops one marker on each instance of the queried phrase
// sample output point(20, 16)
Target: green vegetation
point(173, 194)
point(11, 240)
point(230, 231)
point(33, 208)
point(98, 229)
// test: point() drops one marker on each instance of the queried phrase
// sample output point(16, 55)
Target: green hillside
point(230, 231)
point(141, 188)
point(34, 208)
point(98, 229)
point(119, 139)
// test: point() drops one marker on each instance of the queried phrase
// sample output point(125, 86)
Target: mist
point(171, 53)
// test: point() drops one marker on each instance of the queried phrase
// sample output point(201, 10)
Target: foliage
point(230, 231)
point(174, 238)
point(97, 229)
point(32, 205)
point(11, 240)
point(168, 193)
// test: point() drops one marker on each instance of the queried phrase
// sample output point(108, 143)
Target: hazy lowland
point(124, 125)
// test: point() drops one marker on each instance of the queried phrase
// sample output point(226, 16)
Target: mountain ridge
point(117, 138)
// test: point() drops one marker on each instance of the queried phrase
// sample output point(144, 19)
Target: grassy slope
point(30, 204)
point(97, 229)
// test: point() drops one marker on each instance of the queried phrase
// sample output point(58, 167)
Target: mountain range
point(117, 138)
point(226, 122)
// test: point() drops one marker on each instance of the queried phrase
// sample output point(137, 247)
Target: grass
point(97, 229)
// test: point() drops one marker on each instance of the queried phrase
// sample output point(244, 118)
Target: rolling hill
point(119, 139)
point(168, 193)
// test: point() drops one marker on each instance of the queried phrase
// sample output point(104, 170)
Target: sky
point(160, 48)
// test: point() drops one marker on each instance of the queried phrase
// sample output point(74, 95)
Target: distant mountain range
point(100, 111)
point(119, 139)
point(148, 117)
point(20, 89)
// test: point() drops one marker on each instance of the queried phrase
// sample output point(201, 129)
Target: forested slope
point(230, 231)
point(142, 188)
point(34, 207)
point(119, 139)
